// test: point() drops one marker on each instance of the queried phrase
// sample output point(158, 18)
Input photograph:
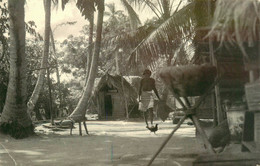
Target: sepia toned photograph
point(129, 82)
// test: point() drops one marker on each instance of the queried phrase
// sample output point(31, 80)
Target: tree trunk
point(57, 74)
point(79, 113)
point(15, 120)
point(38, 87)
point(90, 45)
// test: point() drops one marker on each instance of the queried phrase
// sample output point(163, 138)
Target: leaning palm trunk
point(44, 63)
point(90, 44)
point(14, 120)
point(79, 113)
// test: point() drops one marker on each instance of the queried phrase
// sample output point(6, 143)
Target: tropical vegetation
point(33, 70)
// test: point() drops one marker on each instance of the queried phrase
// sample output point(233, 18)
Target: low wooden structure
point(114, 96)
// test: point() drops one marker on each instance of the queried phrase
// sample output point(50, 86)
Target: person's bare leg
point(151, 115)
point(146, 117)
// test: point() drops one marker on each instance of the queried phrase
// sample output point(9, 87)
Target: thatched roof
point(115, 82)
point(237, 21)
point(188, 80)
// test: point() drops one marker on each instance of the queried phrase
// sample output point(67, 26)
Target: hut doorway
point(108, 105)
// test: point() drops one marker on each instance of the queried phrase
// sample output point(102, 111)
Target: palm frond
point(86, 7)
point(181, 24)
point(134, 19)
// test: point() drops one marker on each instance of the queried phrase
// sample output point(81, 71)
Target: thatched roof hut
point(113, 95)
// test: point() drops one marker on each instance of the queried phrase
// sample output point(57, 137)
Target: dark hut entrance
point(108, 105)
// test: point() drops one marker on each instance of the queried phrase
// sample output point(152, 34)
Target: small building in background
point(113, 95)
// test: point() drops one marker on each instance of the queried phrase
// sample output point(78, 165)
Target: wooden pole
point(124, 96)
point(203, 134)
point(197, 124)
point(219, 113)
point(167, 139)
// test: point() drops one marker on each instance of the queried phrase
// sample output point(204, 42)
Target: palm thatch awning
point(237, 22)
point(120, 84)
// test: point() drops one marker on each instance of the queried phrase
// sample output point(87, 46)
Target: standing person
point(146, 97)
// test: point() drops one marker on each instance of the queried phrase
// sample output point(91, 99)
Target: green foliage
point(34, 50)
point(74, 52)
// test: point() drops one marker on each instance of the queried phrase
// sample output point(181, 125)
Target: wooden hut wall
point(118, 105)
point(112, 86)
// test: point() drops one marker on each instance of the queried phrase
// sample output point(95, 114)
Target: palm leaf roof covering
point(115, 82)
point(237, 21)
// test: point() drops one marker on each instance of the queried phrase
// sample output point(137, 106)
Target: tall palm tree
point(112, 13)
point(15, 120)
point(44, 64)
point(79, 113)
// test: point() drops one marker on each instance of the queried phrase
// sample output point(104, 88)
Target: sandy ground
point(116, 143)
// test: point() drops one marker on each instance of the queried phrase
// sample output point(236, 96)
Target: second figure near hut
point(146, 97)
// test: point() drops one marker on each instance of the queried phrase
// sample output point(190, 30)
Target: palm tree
point(112, 13)
point(79, 113)
point(44, 64)
point(15, 120)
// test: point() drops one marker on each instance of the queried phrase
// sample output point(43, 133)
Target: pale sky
point(34, 11)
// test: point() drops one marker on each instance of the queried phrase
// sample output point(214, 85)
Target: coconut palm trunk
point(44, 64)
point(90, 44)
point(79, 113)
point(15, 120)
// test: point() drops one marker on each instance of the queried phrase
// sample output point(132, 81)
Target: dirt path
point(109, 143)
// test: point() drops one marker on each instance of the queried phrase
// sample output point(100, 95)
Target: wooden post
point(203, 134)
point(197, 124)
point(125, 99)
point(220, 116)
point(80, 131)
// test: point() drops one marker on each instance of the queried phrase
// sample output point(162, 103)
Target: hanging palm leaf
point(179, 25)
point(134, 19)
point(86, 7)
point(236, 21)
